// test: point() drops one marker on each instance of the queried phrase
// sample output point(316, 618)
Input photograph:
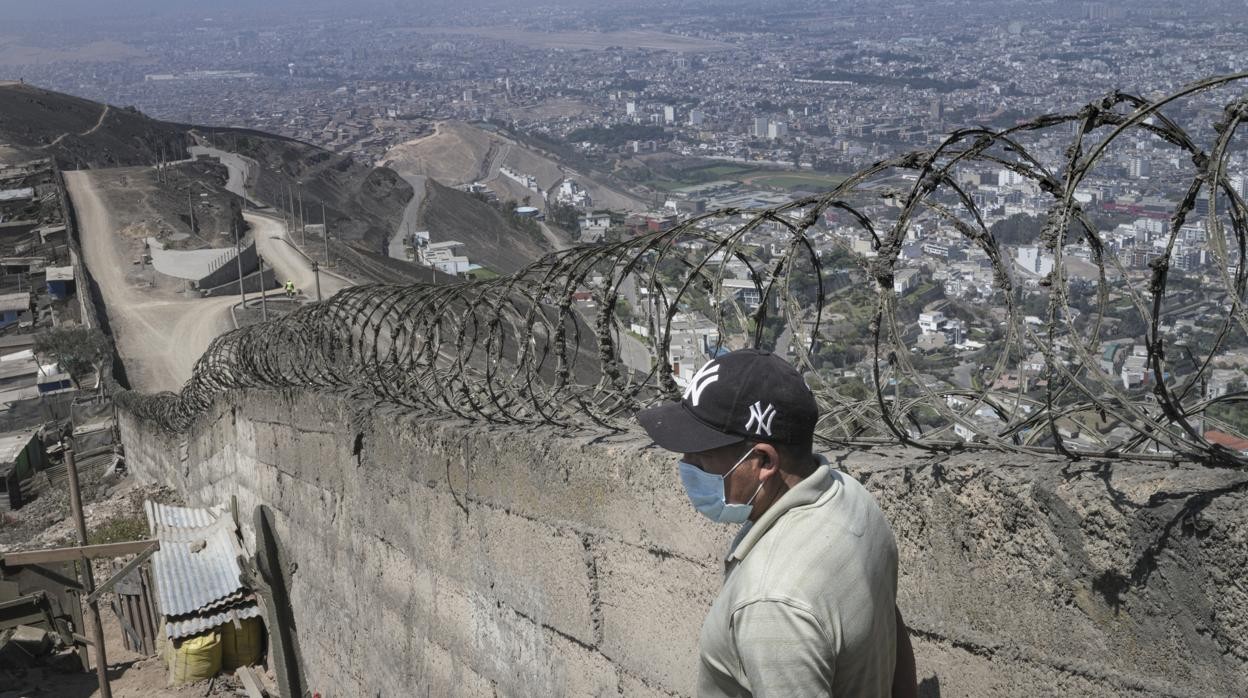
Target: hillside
point(363, 205)
point(491, 239)
point(36, 123)
point(151, 204)
point(459, 153)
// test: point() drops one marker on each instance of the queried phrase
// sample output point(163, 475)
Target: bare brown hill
point(81, 133)
point(492, 239)
point(363, 205)
point(458, 153)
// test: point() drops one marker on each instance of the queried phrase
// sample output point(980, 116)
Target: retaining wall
point(227, 271)
point(252, 283)
point(438, 558)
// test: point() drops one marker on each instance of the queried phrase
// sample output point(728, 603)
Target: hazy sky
point(120, 9)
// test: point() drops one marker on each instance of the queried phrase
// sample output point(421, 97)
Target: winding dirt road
point(274, 245)
point(98, 123)
point(160, 333)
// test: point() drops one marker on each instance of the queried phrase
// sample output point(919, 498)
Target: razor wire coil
point(554, 343)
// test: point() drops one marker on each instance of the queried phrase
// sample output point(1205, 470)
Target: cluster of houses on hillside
point(38, 292)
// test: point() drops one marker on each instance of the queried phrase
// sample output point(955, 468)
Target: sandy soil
point(457, 154)
point(452, 154)
point(160, 332)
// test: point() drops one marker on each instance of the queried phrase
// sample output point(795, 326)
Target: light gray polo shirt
point(807, 606)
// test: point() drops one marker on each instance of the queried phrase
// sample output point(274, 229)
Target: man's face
point(743, 482)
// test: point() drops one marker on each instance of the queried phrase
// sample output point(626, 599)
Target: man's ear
point(769, 459)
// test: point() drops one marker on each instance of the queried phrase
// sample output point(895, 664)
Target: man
point(290, 288)
point(808, 602)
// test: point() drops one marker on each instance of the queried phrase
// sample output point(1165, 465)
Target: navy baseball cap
point(745, 395)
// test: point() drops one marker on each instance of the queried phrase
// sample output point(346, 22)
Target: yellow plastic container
point(241, 647)
point(194, 659)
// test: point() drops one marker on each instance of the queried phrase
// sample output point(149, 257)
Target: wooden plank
point(250, 682)
point(35, 557)
point(147, 609)
point(130, 634)
point(127, 569)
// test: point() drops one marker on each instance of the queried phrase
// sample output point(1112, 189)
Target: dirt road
point(408, 224)
point(273, 238)
point(98, 123)
point(160, 333)
point(273, 243)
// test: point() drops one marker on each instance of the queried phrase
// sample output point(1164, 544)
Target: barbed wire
point(570, 340)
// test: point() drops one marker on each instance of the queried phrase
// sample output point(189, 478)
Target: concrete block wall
point(228, 271)
point(439, 558)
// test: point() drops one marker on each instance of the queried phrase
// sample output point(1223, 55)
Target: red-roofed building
point(1222, 438)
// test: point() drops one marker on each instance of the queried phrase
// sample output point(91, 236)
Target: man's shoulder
point(848, 505)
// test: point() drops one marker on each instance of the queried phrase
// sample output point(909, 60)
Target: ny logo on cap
point(709, 373)
point(760, 419)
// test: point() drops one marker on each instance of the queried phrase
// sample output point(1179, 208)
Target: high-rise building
point(630, 108)
point(1008, 178)
point(760, 128)
point(777, 129)
point(696, 117)
point(669, 115)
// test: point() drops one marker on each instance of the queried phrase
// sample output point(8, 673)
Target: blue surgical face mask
point(706, 492)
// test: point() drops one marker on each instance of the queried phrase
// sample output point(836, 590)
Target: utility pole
point(303, 231)
point(325, 226)
point(316, 269)
point(264, 292)
point(289, 213)
point(238, 256)
point(88, 578)
point(190, 207)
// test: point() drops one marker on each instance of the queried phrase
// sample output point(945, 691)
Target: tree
point(78, 350)
point(564, 216)
point(1018, 229)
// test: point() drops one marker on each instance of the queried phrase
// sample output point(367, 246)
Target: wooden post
point(238, 256)
point(303, 226)
point(264, 291)
point(316, 269)
point(88, 579)
point(325, 231)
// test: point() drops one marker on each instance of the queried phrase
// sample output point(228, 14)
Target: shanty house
point(21, 456)
point(60, 282)
point(12, 305)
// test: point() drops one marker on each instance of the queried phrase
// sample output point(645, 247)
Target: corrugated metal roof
point(162, 516)
point(196, 566)
point(91, 465)
point(199, 624)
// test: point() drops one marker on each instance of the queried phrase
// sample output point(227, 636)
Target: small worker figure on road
point(290, 288)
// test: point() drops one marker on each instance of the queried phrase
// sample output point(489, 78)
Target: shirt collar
point(808, 491)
